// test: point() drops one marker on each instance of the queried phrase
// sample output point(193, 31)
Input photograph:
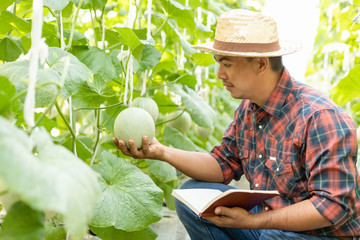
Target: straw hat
point(245, 33)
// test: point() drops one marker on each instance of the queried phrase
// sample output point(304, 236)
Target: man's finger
point(224, 211)
point(132, 147)
point(116, 142)
point(145, 145)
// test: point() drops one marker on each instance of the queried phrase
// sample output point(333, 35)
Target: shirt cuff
point(330, 210)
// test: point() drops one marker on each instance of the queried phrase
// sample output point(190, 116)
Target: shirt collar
point(277, 98)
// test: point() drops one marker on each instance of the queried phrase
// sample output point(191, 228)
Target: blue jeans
point(200, 229)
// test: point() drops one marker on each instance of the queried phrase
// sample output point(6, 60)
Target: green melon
point(148, 104)
point(134, 123)
point(203, 132)
point(181, 123)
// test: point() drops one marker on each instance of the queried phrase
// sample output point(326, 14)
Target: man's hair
point(276, 63)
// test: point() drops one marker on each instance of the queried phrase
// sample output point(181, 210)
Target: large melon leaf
point(111, 233)
point(47, 177)
point(130, 200)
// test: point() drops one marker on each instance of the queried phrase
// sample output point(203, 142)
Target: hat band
point(246, 47)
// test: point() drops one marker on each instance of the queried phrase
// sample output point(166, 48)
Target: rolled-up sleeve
point(227, 154)
point(331, 147)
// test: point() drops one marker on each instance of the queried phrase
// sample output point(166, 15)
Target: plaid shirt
point(301, 144)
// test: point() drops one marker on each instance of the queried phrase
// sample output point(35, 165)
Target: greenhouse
point(108, 106)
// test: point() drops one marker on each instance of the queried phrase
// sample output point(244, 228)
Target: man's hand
point(232, 217)
point(152, 150)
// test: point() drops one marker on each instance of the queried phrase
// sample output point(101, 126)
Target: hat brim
point(286, 47)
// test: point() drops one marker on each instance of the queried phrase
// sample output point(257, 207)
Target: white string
point(36, 33)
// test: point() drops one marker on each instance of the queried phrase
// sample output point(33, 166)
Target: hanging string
point(35, 49)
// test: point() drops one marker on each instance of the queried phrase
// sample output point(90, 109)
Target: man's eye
point(226, 65)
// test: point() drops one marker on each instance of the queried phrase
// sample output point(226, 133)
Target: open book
point(204, 201)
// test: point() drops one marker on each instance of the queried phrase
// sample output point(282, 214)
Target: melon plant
point(203, 132)
point(134, 123)
point(148, 104)
point(180, 120)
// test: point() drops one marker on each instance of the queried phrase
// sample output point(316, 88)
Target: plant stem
point(53, 101)
point(166, 121)
point(23, 92)
point(106, 107)
point(177, 79)
point(97, 128)
point(73, 25)
point(61, 30)
point(65, 120)
point(72, 124)
point(162, 25)
point(93, 25)
point(102, 27)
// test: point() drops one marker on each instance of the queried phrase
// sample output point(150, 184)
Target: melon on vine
point(182, 122)
point(203, 132)
point(134, 123)
point(148, 104)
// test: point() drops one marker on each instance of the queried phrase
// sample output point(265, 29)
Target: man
point(285, 136)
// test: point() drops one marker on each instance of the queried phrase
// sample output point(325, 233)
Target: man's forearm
point(301, 216)
point(200, 166)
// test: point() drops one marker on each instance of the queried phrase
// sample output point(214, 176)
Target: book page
point(198, 198)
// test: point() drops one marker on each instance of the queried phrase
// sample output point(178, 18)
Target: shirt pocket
point(283, 174)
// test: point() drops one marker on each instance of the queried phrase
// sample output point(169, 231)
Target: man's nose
point(221, 73)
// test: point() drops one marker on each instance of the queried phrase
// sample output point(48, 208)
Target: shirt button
point(256, 185)
point(266, 208)
point(260, 126)
point(277, 169)
point(260, 155)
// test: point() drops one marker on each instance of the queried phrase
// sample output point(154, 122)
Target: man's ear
point(262, 63)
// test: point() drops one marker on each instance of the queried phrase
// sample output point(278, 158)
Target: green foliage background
point(66, 174)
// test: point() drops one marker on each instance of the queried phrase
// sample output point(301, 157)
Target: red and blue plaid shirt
point(301, 144)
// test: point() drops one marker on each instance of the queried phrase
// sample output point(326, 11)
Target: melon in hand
point(134, 123)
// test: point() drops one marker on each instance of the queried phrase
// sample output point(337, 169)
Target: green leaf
point(202, 32)
point(111, 233)
point(5, 4)
point(130, 200)
point(22, 223)
point(10, 48)
point(83, 146)
point(203, 59)
point(47, 177)
point(183, 15)
point(7, 91)
point(54, 232)
point(348, 88)
point(78, 37)
point(162, 170)
point(15, 22)
point(178, 140)
point(201, 113)
point(167, 188)
point(128, 37)
point(98, 62)
point(167, 62)
point(164, 102)
point(97, 4)
point(18, 75)
point(356, 19)
point(183, 42)
point(56, 5)
point(77, 73)
point(150, 56)
point(87, 97)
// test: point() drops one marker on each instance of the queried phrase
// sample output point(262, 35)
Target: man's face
point(238, 75)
